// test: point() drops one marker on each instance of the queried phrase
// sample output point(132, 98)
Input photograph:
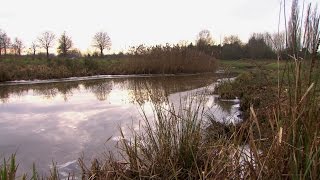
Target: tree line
point(259, 45)
point(270, 46)
point(46, 41)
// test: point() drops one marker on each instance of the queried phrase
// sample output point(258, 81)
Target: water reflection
point(101, 89)
point(63, 119)
point(157, 86)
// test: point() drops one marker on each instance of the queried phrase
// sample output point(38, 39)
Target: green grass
point(248, 65)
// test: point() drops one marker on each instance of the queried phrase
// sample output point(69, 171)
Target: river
point(62, 120)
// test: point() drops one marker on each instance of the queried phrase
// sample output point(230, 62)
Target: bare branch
point(102, 41)
point(46, 41)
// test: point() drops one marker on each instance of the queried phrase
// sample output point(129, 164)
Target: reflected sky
point(61, 121)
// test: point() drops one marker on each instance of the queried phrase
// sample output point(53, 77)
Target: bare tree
point(1, 41)
point(204, 38)
point(17, 46)
point(65, 44)
point(294, 29)
point(311, 38)
point(5, 42)
point(267, 37)
point(34, 46)
point(46, 41)
point(279, 41)
point(232, 39)
point(102, 41)
point(312, 31)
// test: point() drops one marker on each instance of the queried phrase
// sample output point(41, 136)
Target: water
point(61, 120)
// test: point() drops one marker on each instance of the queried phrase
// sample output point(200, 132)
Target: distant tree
point(34, 46)
point(204, 38)
point(257, 48)
point(46, 41)
point(232, 51)
point(205, 43)
point(65, 44)
point(95, 54)
point(312, 36)
point(17, 46)
point(5, 42)
point(279, 42)
point(74, 53)
point(232, 48)
point(1, 41)
point(102, 41)
point(232, 39)
point(267, 37)
point(183, 43)
point(294, 33)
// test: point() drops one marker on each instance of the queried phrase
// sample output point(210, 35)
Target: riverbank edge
point(97, 77)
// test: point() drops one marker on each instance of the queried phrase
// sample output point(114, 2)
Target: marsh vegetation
point(277, 138)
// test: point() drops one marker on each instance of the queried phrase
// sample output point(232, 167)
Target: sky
point(134, 22)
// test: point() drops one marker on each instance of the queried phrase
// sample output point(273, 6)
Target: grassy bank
point(279, 138)
point(255, 84)
point(160, 60)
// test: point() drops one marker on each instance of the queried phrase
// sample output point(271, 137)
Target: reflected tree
point(67, 89)
point(49, 90)
point(4, 94)
point(101, 89)
point(48, 93)
point(8, 91)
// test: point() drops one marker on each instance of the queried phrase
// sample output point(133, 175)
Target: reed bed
point(151, 60)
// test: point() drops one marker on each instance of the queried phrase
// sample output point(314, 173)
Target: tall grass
point(299, 116)
point(284, 146)
point(151, 60)
point(8, 171)
point(166, 147)
point(170, 60)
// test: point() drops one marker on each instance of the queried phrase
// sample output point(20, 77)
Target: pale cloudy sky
point(132, 22)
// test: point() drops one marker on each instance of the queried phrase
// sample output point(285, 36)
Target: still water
point(62, 121)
